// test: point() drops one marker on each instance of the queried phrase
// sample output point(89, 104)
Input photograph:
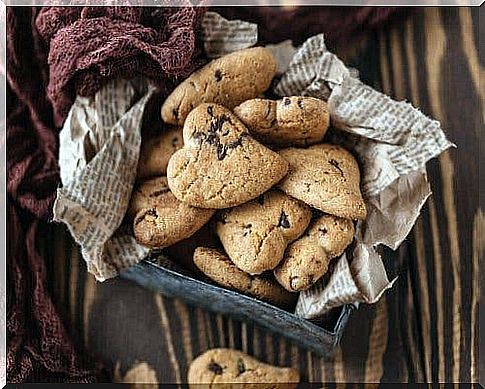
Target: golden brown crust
point(304, 263)
point(306, 260)
point(291, 121)
point(255, 234)
point(334, 234)
point(221, 165)
point(159, 219)
point(227, 368)
point(327, 177)
point(219, 268)
point(228, 81)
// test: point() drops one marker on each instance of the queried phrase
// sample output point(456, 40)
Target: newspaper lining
point(100, 145)
point(222, 36)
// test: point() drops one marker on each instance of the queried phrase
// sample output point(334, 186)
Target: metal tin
point(174, 283)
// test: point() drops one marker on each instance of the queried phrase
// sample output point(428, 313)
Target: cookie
point(221, 165)
point(292, 121)
point(326, 177)
point(156, 152)
point(255, 234)
point(161, 220)
point(220, 269)
point(228, 81)
point(306, 260)
point(228, 368)
point(333, 233)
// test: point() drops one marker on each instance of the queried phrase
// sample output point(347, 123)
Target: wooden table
point(425, 329)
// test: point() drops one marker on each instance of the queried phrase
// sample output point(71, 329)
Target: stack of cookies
point(284, 202)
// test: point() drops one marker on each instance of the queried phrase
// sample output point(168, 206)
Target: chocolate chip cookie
point(327, 177)
point(156, 152)
point(161, 220)
point(255, 234)
point(291, 121)
point(219, 268)
point(333, 233)
point(306, 260)
point(228, 81)
point(221, 165)
point(228, 368)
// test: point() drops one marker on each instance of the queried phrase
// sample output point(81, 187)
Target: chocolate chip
point(216, 125)
point(286, 101)
point(241, 367)
point(212, 139)
point(221, 151)
point(149, 212)
point(292, 279)
point(268, 109)
point(221, 217)
point(236, 143)
point(284, 222)
point(140, 219)
point(210, 110)
point(323, 230)
point(226, 118)
point(261, 200)
point(159, 192)
point(248, 225)
point(218, 75)
point(300, 103)
point(215, 368)
point(199, 136)
point(335, 164)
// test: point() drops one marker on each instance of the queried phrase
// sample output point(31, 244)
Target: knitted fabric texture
point(90, 45)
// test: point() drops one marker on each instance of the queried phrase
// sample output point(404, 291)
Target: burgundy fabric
point(39, 349)
point(51, 56)
point(339, 24)
point(54, 54)
point(88, 46)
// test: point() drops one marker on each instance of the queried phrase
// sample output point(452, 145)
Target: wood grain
point(424, 330)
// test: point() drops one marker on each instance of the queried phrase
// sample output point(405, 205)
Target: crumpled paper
point(392, 141)
point(98, 155)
